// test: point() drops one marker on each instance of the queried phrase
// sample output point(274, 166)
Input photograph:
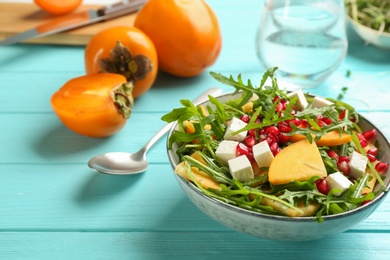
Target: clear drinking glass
point(305, 39)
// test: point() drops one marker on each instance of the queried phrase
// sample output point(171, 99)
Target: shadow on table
point(100, 188)
point(60, 141)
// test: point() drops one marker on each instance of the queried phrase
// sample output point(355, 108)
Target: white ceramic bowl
point(280, 227)
point(371, 36)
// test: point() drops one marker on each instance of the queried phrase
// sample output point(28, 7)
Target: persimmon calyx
point(123, 98)
point(121, 61)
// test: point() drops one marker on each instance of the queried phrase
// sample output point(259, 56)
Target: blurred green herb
point(371, 13)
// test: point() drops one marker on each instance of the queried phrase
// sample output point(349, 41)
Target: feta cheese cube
point(301, 101)
point(226, 150)
point(357, 164)
point(319, 102)
point(235, 125)
point(262, 154)
point(338, 181)
point(241, 168)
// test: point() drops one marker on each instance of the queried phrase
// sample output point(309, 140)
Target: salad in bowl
point(278, 154)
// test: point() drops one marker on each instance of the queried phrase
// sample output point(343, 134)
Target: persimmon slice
point(299, 161)
point(329, 139)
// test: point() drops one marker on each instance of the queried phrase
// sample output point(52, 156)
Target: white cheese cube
point(357, 164)
point(226, 150)
point(301, 101)
point(241, 168)
point(319, 102)
point(338, 181)
point(262, 154)
point(235, 125)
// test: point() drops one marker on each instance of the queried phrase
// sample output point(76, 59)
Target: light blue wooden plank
point(363, 89)
point(42, 138)
point(182, 245)
point(67, 197)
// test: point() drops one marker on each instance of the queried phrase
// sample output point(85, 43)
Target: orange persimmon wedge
point(204, 180)
point(329, 139)
point(299, 161)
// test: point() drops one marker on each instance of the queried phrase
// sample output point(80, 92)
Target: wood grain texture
point(19, 17)
point(52, 206)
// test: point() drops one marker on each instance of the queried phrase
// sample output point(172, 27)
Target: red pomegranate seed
point(332, 154)
point(277, 151)
point(293, 112)
point(269, 140)
point(252, 132)
point(283, 138)
point(371, 157)
point(360, 136)
point(272, 130)
point(304, 123)
point(295, 121)
point(242, 149)
point(327, 120)
point(273, 137)
point(344, 168)
point(274, 147)
point(284, 127)
point(370, 134)
point(257, 121)
point(262, 137)
point(381, 167)
point(365, 202)
point(322, 186)
point(250, 140)
point(245, 118)
point(343, 158)
point(373, 151)
point(279, 107)
point(342, 114)
point(363, 143)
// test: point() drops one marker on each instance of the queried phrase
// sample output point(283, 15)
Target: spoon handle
point(165, 129)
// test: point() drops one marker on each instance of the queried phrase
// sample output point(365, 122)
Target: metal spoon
point(121, 163)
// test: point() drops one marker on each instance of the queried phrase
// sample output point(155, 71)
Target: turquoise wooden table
point(52, 206)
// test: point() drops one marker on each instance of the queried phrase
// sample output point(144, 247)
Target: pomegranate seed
point(295, 121)
point(279, 107)
point(360, 136)
point(352, 119)
point(252, 132)
point(283, 138)
point(373, 151)
point(276, 98)
point(332, 154)
point(343, 158)
point(284, 127)
point(257, 121)
point(242, 149)
point(342, 114)
point(344, 168)
point(363, 143)
point(365, 202)
point(322, 186)
point(274, 147)
point(273, 137)
point(245, 118)
point(277, 151)
point(293, 112)
point(371, 157)
point(327, 120)
point(250, 141)
point(304, 123)
point(381, 167)
point(272, 130)
point(370, 134)
point(269, 140)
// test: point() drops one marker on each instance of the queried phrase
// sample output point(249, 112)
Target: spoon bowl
point(122, 163)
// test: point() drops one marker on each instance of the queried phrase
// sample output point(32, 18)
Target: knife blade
point(76, 20)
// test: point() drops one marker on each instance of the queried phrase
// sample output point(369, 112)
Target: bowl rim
point(220, 203)
point(356, 23)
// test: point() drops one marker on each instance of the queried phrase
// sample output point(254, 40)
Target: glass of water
point(305, 39)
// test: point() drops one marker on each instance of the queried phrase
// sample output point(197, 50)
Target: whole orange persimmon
point(185, 33)
point(124, 50)
point(58, 7)
point(96, 105)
